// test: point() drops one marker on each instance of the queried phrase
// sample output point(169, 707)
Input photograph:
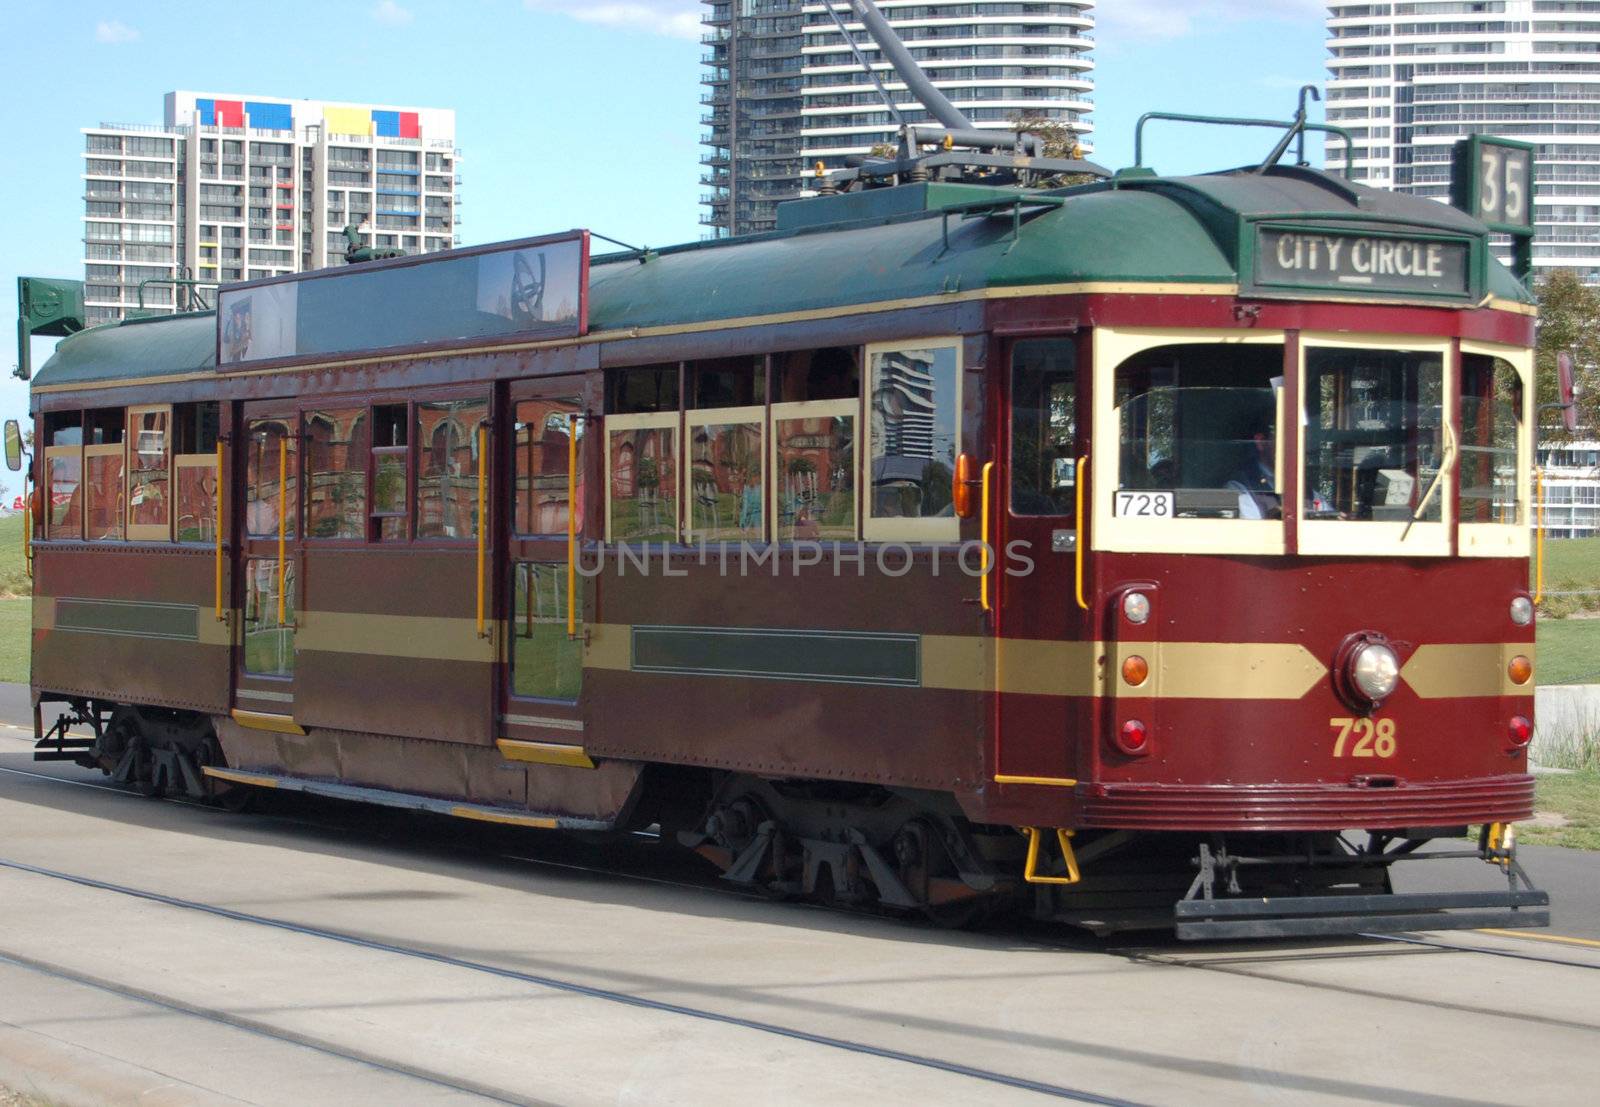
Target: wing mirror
point(13, 445)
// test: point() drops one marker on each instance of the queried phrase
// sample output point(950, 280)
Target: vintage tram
point(1098, 549)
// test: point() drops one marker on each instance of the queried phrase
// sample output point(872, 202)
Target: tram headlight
point(1375, 670)
point(1522, 611)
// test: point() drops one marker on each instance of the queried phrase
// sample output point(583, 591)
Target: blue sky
point(569, 113)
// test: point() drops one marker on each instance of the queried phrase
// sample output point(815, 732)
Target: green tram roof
point(907, 243)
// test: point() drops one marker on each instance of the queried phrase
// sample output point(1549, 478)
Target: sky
point(569, 113)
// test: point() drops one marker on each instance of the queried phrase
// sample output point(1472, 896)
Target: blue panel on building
point(270, 117)
point(208, 112)
point(387, 123)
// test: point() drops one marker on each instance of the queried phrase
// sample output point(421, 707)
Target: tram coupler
point(58, 743)
point(1347, 891)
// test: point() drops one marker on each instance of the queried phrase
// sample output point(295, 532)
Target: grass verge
point(1569, 651)
point(14, 579)
point(16, 626)
point(1576, 798)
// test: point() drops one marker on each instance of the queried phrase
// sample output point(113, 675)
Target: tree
point(1569, 320)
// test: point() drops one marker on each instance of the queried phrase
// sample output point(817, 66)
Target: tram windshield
point(1199, 432)
point(1374, 434)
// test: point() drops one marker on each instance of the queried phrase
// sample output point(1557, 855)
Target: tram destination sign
point(1353, 262)
point(532, 288)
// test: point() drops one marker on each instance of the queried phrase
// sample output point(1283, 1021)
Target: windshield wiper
point(1433, 486)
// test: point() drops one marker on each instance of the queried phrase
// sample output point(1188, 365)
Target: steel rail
point(570, 987)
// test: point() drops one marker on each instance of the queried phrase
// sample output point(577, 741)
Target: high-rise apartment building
point(232, 188)
point(1410, 79)
point(784, 91)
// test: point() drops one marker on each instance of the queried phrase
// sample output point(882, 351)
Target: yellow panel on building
point(348, 121)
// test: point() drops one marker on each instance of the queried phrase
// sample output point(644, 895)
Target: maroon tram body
point(1174, 684)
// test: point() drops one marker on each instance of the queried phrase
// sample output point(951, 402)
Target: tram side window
point(831, 373)
point(915, 412)
point(726, 465)
point(1198, 429)
point(63, 465)
point(390, 471)
point(641, 444)
point(150, 473)
point(544, 432)
point(194, 469)
point(1043, 426)
point(271, 449)
point(1374, 433)
point(1491, 424)
point(447, 467)
point(336, 472)
point(103, 462)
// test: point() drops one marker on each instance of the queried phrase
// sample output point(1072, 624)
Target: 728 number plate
point(1364, 737)
point(1145, 505)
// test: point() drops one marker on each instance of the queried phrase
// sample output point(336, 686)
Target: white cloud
point(391, 14)
point(114, 31)
point(1174, 18)
point(672, 18)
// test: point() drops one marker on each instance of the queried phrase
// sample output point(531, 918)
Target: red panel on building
point(410, 127)
point(230, 113)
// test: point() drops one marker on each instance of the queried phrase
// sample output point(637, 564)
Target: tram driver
point(1256, 480)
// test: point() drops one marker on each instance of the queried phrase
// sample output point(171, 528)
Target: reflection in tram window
point(447, 468)
point(545, 662)
point(268, 640)
point(1491, 422)
point(336, 473)
point(270, 446)
point(1199, 432)
point(914, 407)
point(1374, 434)
point(544, 429)
point(1043, 423)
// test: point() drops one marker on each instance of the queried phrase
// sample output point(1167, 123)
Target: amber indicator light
point(1135, 670)
point(1520, 669)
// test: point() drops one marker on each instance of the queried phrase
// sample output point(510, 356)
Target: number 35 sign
point(1493, 183)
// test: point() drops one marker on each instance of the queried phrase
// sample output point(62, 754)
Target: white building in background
point(231, 187)
point(1410, 79)
point(1571, 489)
point(784, 91)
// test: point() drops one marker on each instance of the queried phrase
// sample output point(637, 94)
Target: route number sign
point(1494, 182)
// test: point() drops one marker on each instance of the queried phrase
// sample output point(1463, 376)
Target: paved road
point(315, 952)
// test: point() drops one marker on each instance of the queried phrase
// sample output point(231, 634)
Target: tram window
point(268, 640)
point(915, 419)
point(726, 475)
point(815, 479)
point(1491, 424)
point(641, 389)
point(103, 461)
point(1043, 426)
point(194, 469)
point(447, 467)
point(271, 446)
point(642, 478)
point(149, 473)
point(545, 662)
point(728, 382)
point(63, 465)
point(390, 471)
point(543, 444)
point(831, 373)
point(1198, 425)
point(1374, 433)
point(336, 472)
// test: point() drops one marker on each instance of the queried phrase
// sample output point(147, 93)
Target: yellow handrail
point(983, 537)
point(572, 525)
point(1030, 867)
point(1077, 544)
point(1538, 535)
point(283, 527)
point(216, 525)
point(483, 485)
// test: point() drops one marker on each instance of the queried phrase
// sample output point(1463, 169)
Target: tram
point(1150, 550)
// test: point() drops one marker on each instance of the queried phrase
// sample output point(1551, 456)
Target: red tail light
point(1521, 732)
point(1133, 738)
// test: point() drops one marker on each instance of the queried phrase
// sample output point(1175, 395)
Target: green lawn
point(1569, 651)
point(1570, 565)
point(1576, 798)
point(16, 622)
point(13, 577)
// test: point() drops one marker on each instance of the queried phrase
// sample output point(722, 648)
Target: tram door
point(264, 684)
point(550, 444)
point(1045, 661)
